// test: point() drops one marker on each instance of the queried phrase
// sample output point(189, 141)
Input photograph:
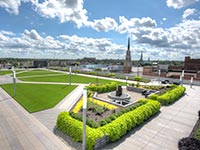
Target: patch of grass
point(37, 97)
point(65, 78)
point(197, 133)
point(36, 72)
point(5, 72)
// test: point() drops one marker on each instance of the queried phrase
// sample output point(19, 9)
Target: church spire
point(128, 63)
point(128, 43)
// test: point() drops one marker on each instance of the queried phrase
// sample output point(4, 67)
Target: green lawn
point(37, 97)
point(65, 78)
point(36, 72)
point(4, 72)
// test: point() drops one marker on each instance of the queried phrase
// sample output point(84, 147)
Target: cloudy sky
point(70, 29)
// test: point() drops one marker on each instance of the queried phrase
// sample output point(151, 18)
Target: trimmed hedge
point(73, 128)
point(103, 88)
point(169, 96)
point(127, 121)
point(113, 130)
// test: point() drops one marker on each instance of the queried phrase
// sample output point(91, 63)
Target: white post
point(126, 80)
point(70, 71)
point(181, 79)
point(191, 82)
point(182, 76)
point(159, 74)
point(84, 118)
point(14, 80)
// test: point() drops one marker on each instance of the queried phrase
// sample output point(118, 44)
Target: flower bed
point(114, 130)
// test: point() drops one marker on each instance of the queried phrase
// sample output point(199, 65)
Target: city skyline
point(71, 29)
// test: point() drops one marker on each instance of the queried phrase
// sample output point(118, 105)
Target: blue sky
point(70, 29)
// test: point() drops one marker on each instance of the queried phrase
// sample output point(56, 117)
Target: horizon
point(73, 29)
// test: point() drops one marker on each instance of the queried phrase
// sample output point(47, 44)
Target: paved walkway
point(20, 130)
point(164, 130)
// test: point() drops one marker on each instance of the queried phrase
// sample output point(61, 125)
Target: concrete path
point(20, 130)
point(48, 117)
point(164, 130)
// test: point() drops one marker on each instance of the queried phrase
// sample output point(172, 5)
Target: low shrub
point(140, 79)
point(127, 121)
point(103, 88)
point(170, 96)
point(73, 128)
point(189, 144)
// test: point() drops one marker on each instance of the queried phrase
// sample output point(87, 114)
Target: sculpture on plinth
point(119, 90)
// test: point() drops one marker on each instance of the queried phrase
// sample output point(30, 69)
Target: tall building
point(128, 63)
point(141, 62)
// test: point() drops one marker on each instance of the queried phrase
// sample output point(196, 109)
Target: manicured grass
point(36, 72)
point(4, 72)
point(37, 97)
point(65, 78)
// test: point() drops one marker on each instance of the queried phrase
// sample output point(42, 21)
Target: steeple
point(128, 63)
point(129, 43)
point(141, 57)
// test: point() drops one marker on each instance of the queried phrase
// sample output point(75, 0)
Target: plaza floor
point(21, 130)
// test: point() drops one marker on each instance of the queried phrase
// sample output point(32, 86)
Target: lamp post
point(137, 70)
point(97, 80)
point(191, 82)
point(126, 80)
point(182, 76)
point(70, 70)
point(14, 79)
point(84, 118)
point(159, 74)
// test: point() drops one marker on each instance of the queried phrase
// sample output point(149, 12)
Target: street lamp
point(97, 80)
point(182, 76)
point(159, 74)
point(191, 82)
point(137, 70)
point(14, 79)
point(70, 70)
point(126, 80)
point(84, 118)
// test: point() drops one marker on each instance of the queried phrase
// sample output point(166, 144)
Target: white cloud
point(12, 6)
point(65, 11)
point(177, 4)
point(188, 12)
point(104, 25)
point(134, 23)
point(164, 19)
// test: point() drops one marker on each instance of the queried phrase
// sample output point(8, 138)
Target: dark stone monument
point(119, 91)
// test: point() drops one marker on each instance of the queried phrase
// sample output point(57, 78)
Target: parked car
point(147, 92)
point(165, 81)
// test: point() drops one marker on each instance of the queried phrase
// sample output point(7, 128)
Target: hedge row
point(73, 128)
point(126, 122)
point(169, 96)
point(103, 88)
point(113, 130)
